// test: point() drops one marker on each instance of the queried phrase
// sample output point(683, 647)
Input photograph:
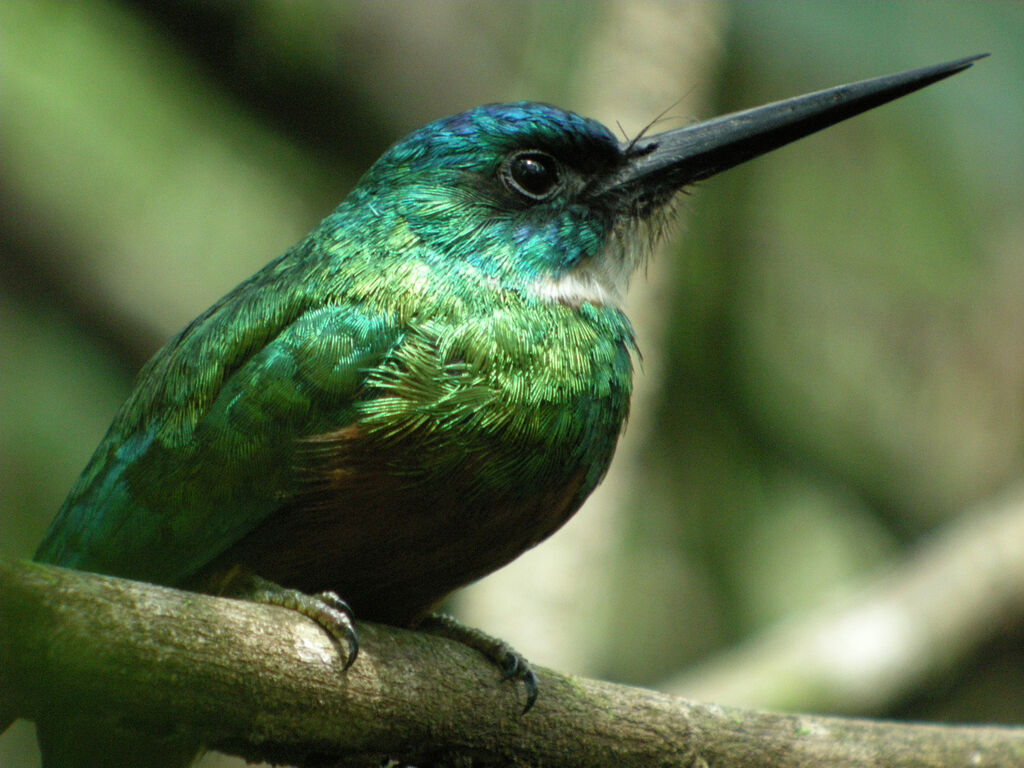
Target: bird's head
point(540, 200)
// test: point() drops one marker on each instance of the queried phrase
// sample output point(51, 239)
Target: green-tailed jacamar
point(428, 384)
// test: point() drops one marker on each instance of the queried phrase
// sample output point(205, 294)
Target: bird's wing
point(205, 448)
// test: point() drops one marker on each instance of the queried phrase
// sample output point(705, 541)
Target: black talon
point(325, 608)
point(512, 664)
point(515, 667)
point(352, 642)
point(338, 607)
point(532, 689)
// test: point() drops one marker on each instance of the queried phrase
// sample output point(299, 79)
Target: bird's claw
point(516, 667)
point(513, 665)
point(325, 608)
point(339, 623)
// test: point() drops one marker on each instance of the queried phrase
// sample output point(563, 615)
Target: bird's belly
point(393, 550)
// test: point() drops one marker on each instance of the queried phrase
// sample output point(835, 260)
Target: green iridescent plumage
point(419, 317)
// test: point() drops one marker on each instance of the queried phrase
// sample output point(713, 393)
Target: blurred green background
point(833, 340)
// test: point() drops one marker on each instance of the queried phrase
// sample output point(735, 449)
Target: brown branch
point(266, 683)
point(880, 639)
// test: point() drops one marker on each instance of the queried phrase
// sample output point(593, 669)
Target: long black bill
point(667, 161)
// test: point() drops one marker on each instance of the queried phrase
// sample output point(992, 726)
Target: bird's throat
point(601, 280)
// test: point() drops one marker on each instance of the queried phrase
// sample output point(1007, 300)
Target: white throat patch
point(601, 280)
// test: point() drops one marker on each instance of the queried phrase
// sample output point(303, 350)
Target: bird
point(428, 384)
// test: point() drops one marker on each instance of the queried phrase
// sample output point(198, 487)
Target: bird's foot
point(512, 664)
point(325, 608)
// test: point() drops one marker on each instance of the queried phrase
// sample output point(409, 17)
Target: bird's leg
point(325, 608)
point(512, 664)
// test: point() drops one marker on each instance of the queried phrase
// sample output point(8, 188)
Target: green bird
point(430, 383)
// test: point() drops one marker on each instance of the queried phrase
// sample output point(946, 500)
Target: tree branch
point(266, 683)
point(882, 637)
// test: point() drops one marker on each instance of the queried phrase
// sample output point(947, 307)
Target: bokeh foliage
point(844, 367)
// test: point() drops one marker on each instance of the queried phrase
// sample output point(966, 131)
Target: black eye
point(532, 174)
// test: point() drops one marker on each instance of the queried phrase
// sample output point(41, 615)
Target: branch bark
point(266, 683)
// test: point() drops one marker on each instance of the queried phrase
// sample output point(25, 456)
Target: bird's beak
point(656, 166)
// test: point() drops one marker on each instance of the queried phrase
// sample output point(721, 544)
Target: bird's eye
point(532, 174)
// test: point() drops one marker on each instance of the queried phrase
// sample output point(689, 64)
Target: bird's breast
point(475, 440)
